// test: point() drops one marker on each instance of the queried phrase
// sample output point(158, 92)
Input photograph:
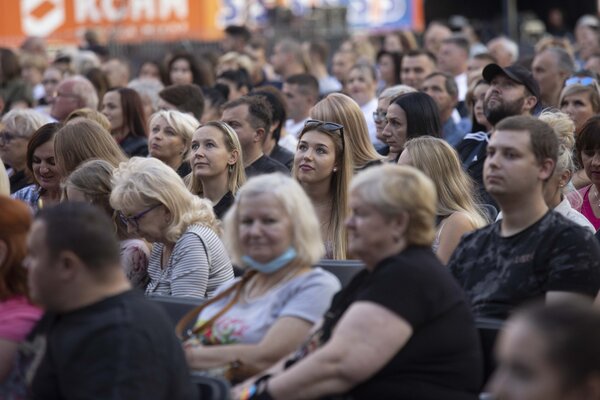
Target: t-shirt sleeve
point(17, 320)
point(574, 262)
point(312, 298)
point(190, 267)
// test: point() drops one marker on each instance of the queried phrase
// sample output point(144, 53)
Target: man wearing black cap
point(513, 91)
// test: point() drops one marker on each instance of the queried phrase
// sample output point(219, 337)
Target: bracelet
point(248, 393)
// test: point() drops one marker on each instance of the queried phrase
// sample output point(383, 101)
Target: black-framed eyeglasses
point(379, 116)
point(134, 220)
point(580, 80)
point(328, 126)
point(6, 137)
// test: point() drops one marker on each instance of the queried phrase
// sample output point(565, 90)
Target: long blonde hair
point(439, 161)
point(342, 110)
point(236, 175)
point(340, 182)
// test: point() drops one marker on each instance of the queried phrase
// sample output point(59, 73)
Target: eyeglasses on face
point(134, 220)
point(331, 127)
point(379, 116)
point(6, 137)
point(581, 80)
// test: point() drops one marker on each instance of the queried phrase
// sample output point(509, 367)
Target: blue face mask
point(274, 265)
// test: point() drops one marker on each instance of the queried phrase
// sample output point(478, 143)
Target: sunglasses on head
point(581, 80)
point(331, 127)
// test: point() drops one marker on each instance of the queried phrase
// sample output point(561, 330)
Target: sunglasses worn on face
point(583, 80)
point(134, 220)
point(331, 127)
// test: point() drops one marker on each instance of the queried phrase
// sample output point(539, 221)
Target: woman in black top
point(401, 329)
point(125, 112)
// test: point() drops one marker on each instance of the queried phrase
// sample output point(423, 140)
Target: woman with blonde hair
point(322, 165)
point(82, 140)
point(91, 183)
point(217, 165)
point(170, 138)
point(278, 251)
point(580, 99)
point(344, 111)
point(88, 113)
point(457, 211)
point(4, 182)
point(188, 258)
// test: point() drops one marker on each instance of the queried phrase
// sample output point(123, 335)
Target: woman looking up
point(125, 112)
point(323, 168)
point(217, 165)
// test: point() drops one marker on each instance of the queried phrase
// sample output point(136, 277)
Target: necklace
point(596, 195)
point(287, 277)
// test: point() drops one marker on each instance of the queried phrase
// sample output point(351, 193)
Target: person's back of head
point(259, 111)
point(237, 37)
point(277, 104)
point(187, 98)
point(239, 78)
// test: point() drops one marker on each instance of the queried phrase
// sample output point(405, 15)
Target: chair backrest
point(211, 387)
point(344, 270)
point(488, 329)
point(176, 307)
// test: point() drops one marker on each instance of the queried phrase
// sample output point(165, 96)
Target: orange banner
point(64, 21)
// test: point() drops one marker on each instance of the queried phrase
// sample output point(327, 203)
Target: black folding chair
point(344, 270)
point(488, 329)
point(211, 387)
point(176, 307)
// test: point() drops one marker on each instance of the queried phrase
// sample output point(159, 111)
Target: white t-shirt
point(307, 296)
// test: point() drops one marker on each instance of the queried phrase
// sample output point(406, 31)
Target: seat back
point(176, 307)
point(344, 270)
point(211, 387)
point(488, 329)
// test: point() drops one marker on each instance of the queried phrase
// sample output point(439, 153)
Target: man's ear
point(259, 135)
point(546, 169)
point(400, 223)
point(530, 103)
point(68, 265)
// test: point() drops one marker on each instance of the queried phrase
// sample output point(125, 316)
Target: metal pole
point(509, 15)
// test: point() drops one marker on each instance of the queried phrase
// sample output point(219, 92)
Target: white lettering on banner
point(47, 23)
point(179, 7)
point(86, 11)
point(142, 9)
point(112, 13)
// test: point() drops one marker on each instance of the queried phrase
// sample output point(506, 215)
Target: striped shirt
point(198, 265)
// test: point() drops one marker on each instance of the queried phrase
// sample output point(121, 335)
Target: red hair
point(15, 221)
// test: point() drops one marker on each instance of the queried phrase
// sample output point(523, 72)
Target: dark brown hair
point(133, 111)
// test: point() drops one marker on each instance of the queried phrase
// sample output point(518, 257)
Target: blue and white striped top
point(198, 265)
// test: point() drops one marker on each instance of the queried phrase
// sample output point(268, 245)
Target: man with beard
point(513, 91)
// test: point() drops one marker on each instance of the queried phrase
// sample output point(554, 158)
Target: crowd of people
point(464, 177)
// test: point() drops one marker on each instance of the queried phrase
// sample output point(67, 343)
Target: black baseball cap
point(516, 73)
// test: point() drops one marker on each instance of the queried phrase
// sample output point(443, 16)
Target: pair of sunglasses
point(581, 80)
point(331, 127)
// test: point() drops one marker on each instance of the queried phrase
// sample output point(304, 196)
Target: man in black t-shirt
point(98, 339)
point(250, 118)
point(532, 253)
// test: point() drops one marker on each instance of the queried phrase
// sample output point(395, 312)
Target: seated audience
point(532, 253)
point(17, 314)
point(588, 153)
point(379, 115)
point(361, 85)
point(73, 93)
point(88, 113)
point(91, 183)
point(41, 164)
point(17, 127)
point(457, 211)
point(187, 98)
point(278, 252)
point(170, 139)
point(217, 165)
point(402, 328)
point(580, 99)
point(188, 258)
point(323, 167)
point(123, 108)
point(4, 182)
point(101, 339)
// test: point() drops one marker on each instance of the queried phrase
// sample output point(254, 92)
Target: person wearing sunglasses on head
point(188, 258)
point(322, 166)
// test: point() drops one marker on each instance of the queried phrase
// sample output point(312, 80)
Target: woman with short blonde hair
point(341, 109)
point(88, 113)
point(457, 211)
point(82, 140)
point(188, 257)
point(170, 138)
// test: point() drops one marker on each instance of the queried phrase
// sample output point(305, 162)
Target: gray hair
point(396, 91)
point(147, 87)
point(24, 121)
point(563, 59)
point(511, 46)
point(84, 90)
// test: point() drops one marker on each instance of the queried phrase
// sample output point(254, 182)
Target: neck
point(446, 115)
point(302, 117)
point(51, 196)
point(319, 192)
point(318, 70)
point(268, 146)
point(551, 99)
point(19, 166)
point(215, 187)
point(251, 155)
point(174, 162)
point(92, 292)
point(119, 134)
point(371, 262)
point(520, 214)
point(262, 283)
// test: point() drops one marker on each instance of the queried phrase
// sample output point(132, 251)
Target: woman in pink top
point(588, 154)
point(17, 314)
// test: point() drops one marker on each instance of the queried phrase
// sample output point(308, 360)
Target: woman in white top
point(361, 85)
point(457, 211)
point(263, 316)
point(188, 258)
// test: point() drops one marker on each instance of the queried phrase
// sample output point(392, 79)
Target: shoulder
point(319, 277)
point(27, 194)
point(459, 220)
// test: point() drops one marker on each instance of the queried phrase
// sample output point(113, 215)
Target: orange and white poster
point(64, 21)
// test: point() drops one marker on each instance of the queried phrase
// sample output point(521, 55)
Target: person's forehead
point(437, 80)
point(237, 112)
point(510, 138)
point(420, 60)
